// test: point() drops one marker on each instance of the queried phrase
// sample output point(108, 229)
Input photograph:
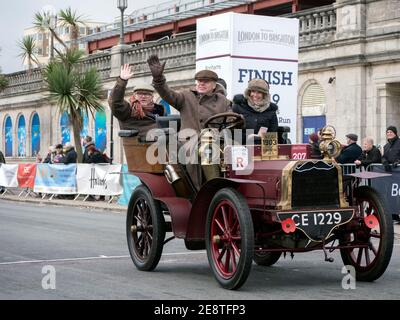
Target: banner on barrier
point(55, 178)
point(388, 188)
point(8, 175)
point(99, 179)
point(26, 175)
point(129, 183)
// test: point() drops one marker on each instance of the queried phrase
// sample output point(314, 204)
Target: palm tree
point(28, 46)
point(74, 91)
point(43, 23)
point(3, 80)
point(69, 18)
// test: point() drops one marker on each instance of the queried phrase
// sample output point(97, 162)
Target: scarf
point(259, 107)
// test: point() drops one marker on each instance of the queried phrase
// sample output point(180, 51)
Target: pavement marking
point(100, 257)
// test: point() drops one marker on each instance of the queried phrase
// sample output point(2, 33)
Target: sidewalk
point(101, 205)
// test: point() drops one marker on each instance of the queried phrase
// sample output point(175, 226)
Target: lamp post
point(122, 5)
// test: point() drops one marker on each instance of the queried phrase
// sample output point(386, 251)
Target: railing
point(317, 26)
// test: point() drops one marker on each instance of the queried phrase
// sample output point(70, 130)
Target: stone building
point(349, 77)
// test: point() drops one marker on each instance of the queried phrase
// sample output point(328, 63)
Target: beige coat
point(194, 108)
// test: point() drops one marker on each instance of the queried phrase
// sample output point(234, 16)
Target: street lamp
point(122, 5)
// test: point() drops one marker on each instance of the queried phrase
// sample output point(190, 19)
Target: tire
point(370, 263)
point(229, 236)
point(145, 229)
point(266, 259)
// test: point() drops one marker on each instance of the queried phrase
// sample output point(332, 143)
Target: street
point(88, 251)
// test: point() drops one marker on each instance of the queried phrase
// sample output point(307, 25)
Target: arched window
point(9, 137)
point(313, 105)
point(65, 130)
point(35, 135)
point(21, 137)
point(100, 130)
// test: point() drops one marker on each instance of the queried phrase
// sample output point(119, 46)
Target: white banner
point(242, 47)
point(8, 175)
point(99, 179)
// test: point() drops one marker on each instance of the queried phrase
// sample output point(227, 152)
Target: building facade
point(349, 77)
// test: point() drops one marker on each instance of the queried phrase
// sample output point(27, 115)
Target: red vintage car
point(259, 202)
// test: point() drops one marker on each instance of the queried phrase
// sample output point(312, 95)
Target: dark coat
point(371, 156)
point(96, 157)
point(48, 158)
point(122, 110)
point(349, 153)
point(69, 157)
point(391, 151)
point(2, 159)
point(255, 120)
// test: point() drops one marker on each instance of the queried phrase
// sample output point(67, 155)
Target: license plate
point(318, 225)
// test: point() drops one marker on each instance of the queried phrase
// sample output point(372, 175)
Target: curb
point(100, 205)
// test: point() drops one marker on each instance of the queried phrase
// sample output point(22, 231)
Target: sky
point(16, 15)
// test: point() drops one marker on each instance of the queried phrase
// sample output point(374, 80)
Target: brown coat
point(194, 108)
point(122, 110)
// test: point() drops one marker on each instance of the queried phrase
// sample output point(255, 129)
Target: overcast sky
point(16, 15)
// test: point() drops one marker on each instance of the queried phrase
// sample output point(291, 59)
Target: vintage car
point(258, 202)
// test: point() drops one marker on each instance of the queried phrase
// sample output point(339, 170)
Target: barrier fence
point(115, 181)
point(59, 179)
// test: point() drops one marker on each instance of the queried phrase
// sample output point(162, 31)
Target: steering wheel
point(225, 120)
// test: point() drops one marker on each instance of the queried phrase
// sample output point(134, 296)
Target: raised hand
point(126, 72)
point(156, 67)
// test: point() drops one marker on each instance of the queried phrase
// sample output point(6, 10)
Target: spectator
point(59, 153)
point(370, 154)
point(70, 155)
point(391, 150)
point(87, 141)
point(195, 105)
point(351, 152)
point(313, 140)
point(140, 112)
point(50, 155)
point(256, 107)
point(2, 159)
point(95, 156)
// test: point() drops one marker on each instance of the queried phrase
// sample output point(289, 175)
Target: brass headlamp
point(329, 147)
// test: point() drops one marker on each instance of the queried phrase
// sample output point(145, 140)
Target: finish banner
point(242, 47)
point(26, 175)
point(8, 175)
point(55, 178)
point(99, 179)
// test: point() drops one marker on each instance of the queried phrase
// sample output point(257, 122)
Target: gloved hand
point(156, 67)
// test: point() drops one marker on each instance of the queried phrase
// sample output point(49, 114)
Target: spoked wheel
point(145, 229)
point(371, 262)
point(229, 238)
point(266, 258)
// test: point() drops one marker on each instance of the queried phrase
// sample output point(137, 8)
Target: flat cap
point(352, 136)
point(143, 87)
point(206, 74)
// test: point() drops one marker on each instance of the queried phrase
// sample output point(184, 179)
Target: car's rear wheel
point(266, 259)
point(145, 229)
